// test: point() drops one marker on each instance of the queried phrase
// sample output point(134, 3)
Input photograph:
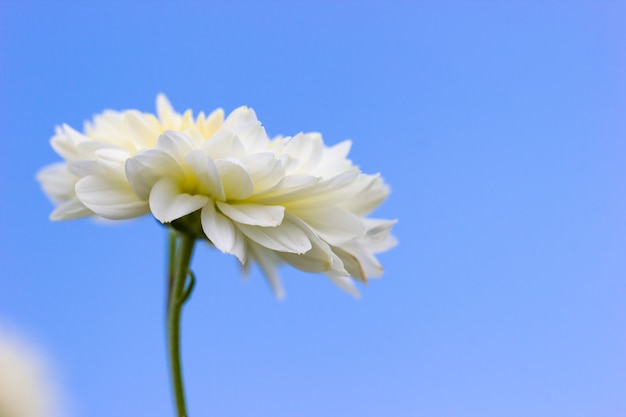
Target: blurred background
point(500, 127)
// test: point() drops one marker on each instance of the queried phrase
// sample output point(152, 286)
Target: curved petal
point(176, 144)
point(351, 264)
point(325, 192)
point(109, 197)
point(57, 181)
point(308, 149)
point(268, 262)
point(319, 258)
point(70, 209)
point(235, 178)
point(82, 168)
point(208, 125)
point(379, 238)
point(168, 117)
point(287, 237)
point(363, 252)
point(147, 167)
point(206, 174)
point(265, 169)
point(224, 144)
point(253, 139)
point(168, 203)
point(318, 194)
point(112, 159)
point(143, 132)
point(220, 231)
point(334, 160)
point(369, 191)
point(345, 283)
point(240, 247)
point(253, 214)
point(286, 185)
point(333, 224)
point(65, 142)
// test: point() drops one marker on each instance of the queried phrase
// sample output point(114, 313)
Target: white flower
point(25, 386)
point(290, 199)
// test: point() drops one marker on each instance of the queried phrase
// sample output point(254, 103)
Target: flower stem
point(172, 244)
point(180, 258)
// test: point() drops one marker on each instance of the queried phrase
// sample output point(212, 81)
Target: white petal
point(321, 194)
point(244, 123)
point(338, 152)
point(287, 237)
point(240, 247)
point(206, 174)
point(370, 191)
point(345, 283)
point(210, 124)
point(269, 262)
point(112, 159)
point(265, 169)
point(253, 214)
point(168, 202)
point(108, 126)
point(241, 120)
point(187, 121)
point(307, 148)
point(88, 149)
point(109, 197)
point(57, 181)
point(285, 186)
point(313, 260)
point(176, 144)
point(255, 139)
point(351, 264)
point(220, 231)
point(70, 209)
point(317, 259)
point(328, 191)
point(224, 144)
point(143, 132)
point(82, 168)
point(363, 254)
point(168, 117)
point(66, 141)
point(379, 238)
point(333, 224)
point(334, 160)
point(235, 179)
point(147, 167)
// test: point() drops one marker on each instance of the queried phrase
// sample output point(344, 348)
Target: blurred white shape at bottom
point(26, 385)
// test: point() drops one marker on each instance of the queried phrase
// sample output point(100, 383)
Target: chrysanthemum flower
point(268, 201)
point(287, 200)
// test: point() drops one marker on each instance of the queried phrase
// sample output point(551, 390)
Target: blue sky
point(499, 126)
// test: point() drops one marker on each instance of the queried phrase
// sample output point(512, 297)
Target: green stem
point(180, 257)
point(171, 267)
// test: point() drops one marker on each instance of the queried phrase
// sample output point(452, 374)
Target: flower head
point(284, 200)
